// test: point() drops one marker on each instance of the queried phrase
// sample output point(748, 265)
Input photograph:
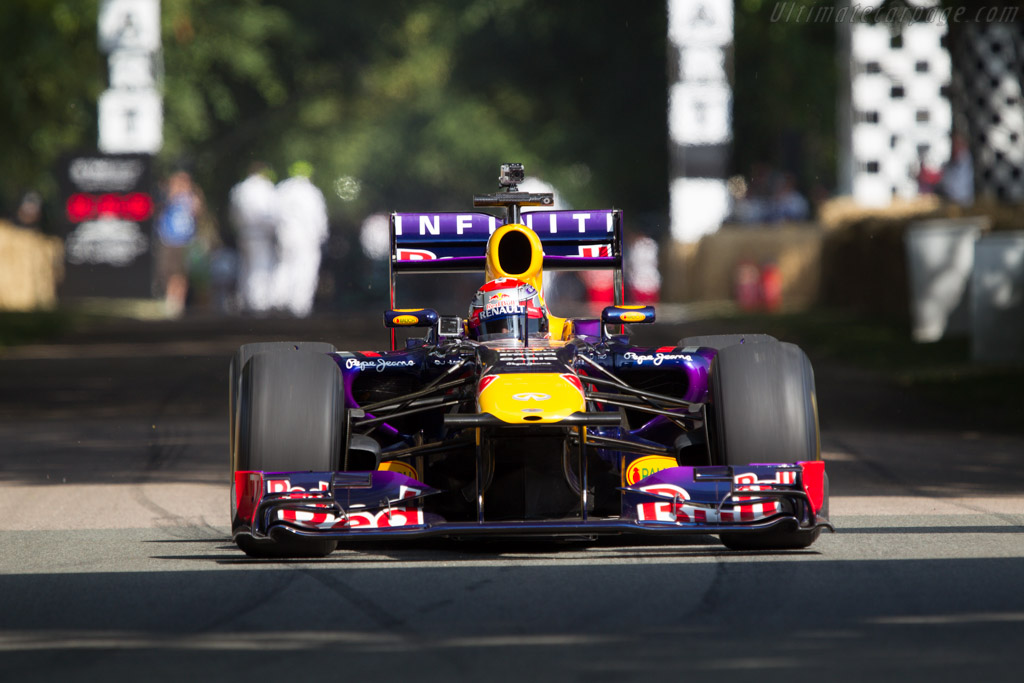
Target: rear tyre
point(290, 419)
point(764, 410)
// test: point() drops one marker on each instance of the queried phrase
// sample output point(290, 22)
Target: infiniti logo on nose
point(531, 397)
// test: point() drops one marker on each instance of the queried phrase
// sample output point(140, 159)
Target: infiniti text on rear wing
point(457, 242)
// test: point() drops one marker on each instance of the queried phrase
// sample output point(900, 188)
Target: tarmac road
point(115, 558)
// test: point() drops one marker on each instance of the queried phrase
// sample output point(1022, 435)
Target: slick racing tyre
point(721, 341)
point(238, 362)
point(763, 410)
point(290, 418)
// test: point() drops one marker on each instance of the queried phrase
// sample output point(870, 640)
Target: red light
point(108, 205)
point(137, 206)
point(79, 207)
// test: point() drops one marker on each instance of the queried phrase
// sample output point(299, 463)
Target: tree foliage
point(51, 76)
point(398, 104)
point(785, 93)
point(403, 104)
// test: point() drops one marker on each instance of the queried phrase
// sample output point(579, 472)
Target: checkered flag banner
point(990, 57)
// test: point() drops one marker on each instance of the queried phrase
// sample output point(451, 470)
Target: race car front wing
point(351, 506)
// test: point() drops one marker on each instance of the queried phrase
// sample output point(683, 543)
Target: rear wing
point(457, 242)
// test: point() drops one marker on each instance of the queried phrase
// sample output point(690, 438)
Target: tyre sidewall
point(238, 361)
point(291, 408)
point(763, 405)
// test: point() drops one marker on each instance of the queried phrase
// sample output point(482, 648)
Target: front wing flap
point(748, 494)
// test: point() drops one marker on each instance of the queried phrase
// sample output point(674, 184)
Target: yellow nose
point(525, 397)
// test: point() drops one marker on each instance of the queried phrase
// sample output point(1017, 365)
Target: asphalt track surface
point(116, 562)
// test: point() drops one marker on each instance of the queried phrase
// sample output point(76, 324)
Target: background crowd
point(268, 263)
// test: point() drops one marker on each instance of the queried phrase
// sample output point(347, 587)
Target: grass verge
point(35, 326)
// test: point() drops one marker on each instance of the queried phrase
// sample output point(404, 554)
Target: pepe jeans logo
point(657, 359)
point(379, 364)
point(531, 396)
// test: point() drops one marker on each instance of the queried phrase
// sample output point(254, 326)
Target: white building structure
point(700, 34)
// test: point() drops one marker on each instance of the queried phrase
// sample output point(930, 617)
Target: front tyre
point(764, 410)
point(238, 361)
point(291, 408)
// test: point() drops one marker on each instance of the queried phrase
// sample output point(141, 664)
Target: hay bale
point(842, 212)
point(706, 271)
point(864, 261)
point(31, 266)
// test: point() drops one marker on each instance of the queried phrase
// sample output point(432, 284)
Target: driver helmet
point(504, 308)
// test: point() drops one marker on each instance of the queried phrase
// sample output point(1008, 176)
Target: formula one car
point(513, 422)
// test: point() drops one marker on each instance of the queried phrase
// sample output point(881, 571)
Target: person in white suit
point(301, 232)
point(255, 214)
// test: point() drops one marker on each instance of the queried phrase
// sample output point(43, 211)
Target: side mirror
point(410, 317)
point(619, 315)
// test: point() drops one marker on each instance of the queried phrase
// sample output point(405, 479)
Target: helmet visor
point(502, 327)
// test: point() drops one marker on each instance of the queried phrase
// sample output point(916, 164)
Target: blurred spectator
point(771, 196)
point(643, 280)
point(199, 257)
point(737, 186)
point(374, 238)
point(301, 231)
point(751, 201)
point(176, 228)
point(958, 174)
point(600, 287)
point(30, 211)
point(254, 214)
point(928, 178)
point(787, 203)
point(224, 279)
